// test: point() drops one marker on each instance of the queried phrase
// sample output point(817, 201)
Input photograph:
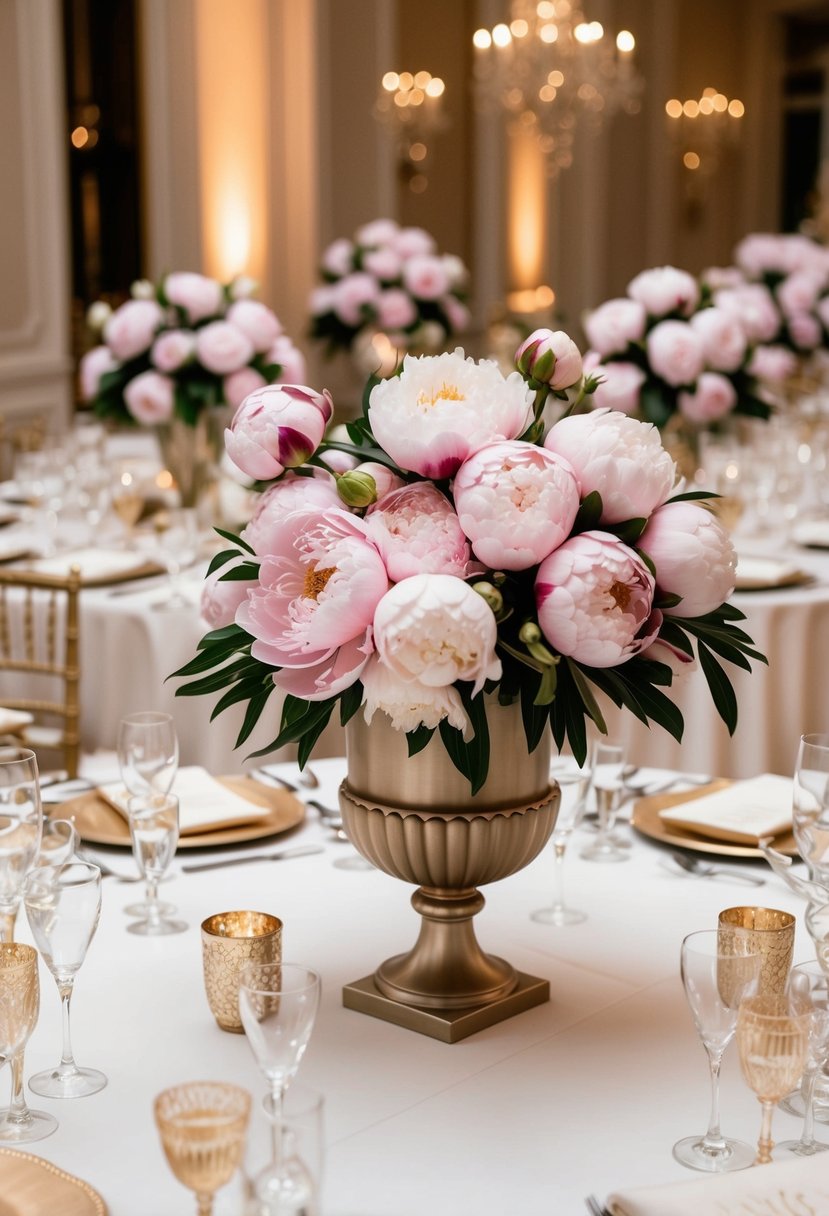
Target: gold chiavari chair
point(35, 646)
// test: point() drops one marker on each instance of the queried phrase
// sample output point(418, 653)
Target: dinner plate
point(34, 1187)
point(8, 516)
point(645, 818)
point(123, 570)
point(99, 823)
point(791, 578)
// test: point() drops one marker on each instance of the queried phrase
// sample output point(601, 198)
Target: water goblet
point(773, 1039)
point(607, 780)
point(809, 981)
point(810, 804)
point(570, 812)
point(63, 904)
point(148, 759)
point(203, 1126)
point(58, 842)
point(719, 969)
point(177, 534)
point(21, 826)
point(19, 1007)
point(154, 833)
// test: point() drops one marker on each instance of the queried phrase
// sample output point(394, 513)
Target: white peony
point(410, 703)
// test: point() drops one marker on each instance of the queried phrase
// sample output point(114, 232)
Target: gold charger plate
point(645, 819)
point(146, 569)
point(797, 578)
point(99, 823)
point(33, 1187)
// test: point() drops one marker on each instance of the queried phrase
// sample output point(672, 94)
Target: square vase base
point(448, 1025)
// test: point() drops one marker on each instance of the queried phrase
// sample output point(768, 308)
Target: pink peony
point(239, 385)
point(338, 258)
point(823, 311)
point(220, 600)
point(395, 309)
point(595, 600)
point(773, 363)
point(693, 555)
point(172, 349)
point(435, 629)
point(412, 243)
point(354, 294)
point(321, 300)
point(755, 309)
point(550, 358)
point(339, 462)
point(417, 532)
point(675, 352)
point(443, 408)
point(425, 277)
point(377, 232)
point(312, 610)
point(620, 457)
point(761, 252)
point(95, 364)
point(256, 322)
point(222, 348)
point(409, 703)
point(723, 338)
point(290, 359)
point(199, 296)
point(516, 502)
point(455, 269)
point(713, 397)
point(383, 264)
point(291, 493)
point(799, 291)
point(277, 427)
point(242, 287)
point(457, 314)
point(131, 328)
point(805, 331)
point(620, 388)
point(718, 277)
point(664, 290)
point(150, 398)
point(614, 325)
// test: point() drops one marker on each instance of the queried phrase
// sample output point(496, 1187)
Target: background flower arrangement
point(667, 348)
point(468, 551)
point(392, 280)
point(181, 346)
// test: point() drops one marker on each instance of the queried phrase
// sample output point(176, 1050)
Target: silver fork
point(594, 1207)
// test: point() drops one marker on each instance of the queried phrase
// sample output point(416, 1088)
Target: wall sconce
point(704, 129)
point(411, 107)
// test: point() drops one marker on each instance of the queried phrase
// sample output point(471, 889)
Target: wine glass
point(154, 833)
point(127, 495)
point(773, 1040)
point(294, 1185)
point(607, 780)
point(58, 842)
point(719, 968)
point(21, 826)
point(63, 904)
point(808, 980)
point(19, 1007)
point(148, 759)
point(810, 810)
point(203, 1127)
point(177, 535)
point(570, 812)
point(278, 1004)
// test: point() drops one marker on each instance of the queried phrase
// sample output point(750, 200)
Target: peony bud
point(142, 289)
point(357, 489)
point(492, 596)
point(97, 315)
point(549, 358)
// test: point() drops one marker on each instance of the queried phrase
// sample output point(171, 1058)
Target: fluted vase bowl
point(415, 818)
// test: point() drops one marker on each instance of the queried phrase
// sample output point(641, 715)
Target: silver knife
point(301, 850)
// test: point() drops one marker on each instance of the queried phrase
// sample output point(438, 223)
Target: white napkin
point(13, 719)
point(204, 803)
point(785, 1188)
point(758, 572)
point(94, 564)
point(743, 812)
point(814, 532)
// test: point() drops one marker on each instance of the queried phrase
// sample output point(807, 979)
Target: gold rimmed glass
point(21, 826)
point(203, 1126)
point(773, 1041)
point(19, 1007)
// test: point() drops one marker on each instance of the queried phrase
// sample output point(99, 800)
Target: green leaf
point(235, 540)
point(660, 709)
point(478, 746)
point(417, 739)
point(692, 495)
point(309, 739)
point(241, 691)
point(720, 685)
point(221, 559)
point(350, 701)
point(589, 513)
point(628, 532)
point(546, 692)
point(674, 636)
point(225, 634)
point(657, 402)
point(455, 746)
point(295, 730)
point(254, 712)
point(586, 694)
point(245, 573)
point(219, 679)
point(363, 453)
point(535, 717)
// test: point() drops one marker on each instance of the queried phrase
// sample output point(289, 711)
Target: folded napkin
point(757, 572)
point(95, 564)
point(13, 719)
point(813, 532)
point(744, 812)
point(785, 1188)
point(205, 804)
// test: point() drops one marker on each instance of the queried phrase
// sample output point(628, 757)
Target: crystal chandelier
point(552, 70)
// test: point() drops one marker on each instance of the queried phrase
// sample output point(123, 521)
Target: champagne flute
point(203, 1127)
point(809, 981)
point(148, 752)
point(19, 1007)
point(63, 904)
point(773, 1040)
point(569, 815)
point(607, 780)
point(21, 827)
point(127, 495)
point(810, 805)
point(154, 833)
point(177, 533)
point(719, 968)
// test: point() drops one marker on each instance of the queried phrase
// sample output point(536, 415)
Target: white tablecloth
point(585, 1094)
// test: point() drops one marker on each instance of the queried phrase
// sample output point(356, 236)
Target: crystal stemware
point(203, 1126)
point(607, 780)
point(148, 755)
point(154, 833)
point(177, 535)
point(58, 842)
point(63, 904)
point(21, 826)
point(809, 981)
point(570, 812)
point(773, 1039)
point(810, 804)
point(719, 968)
point(19, 1007)
point(292, 1188)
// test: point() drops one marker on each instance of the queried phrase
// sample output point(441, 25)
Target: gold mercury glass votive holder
point(231, 940)
point(771, 933)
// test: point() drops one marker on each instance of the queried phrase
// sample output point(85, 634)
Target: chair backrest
point(39, 639)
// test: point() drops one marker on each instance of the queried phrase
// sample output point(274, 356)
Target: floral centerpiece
point(470, 553)
point(388, 280)
point(665, 350)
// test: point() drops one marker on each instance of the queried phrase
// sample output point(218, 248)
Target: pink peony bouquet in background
point(182, 345)
point(390, 280)
point(459, 549)
point(666, 349)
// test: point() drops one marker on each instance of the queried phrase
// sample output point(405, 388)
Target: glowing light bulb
point(391, 82)
point(501, 35)
point(625, 41)
point(673, 108)
point(482, 40)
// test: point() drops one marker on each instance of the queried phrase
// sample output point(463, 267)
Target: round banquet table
point(584, 1094)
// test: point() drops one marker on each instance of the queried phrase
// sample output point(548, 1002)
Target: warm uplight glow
point(501, 35)
point(417, 151)
point(532, 300)
point(391, 81)
point(548, 33)
point(164, 480)
point(422, 79)
point(555, 78)
point(690, 160)
point(79, 137)
point(589, 31)
point(406, 80)
point(482, 40)
point(690, 108)
point(736, 108)
point(673, 108)
point(547, 92)
point(519, 28)
point(435, 87)
point(526, 210)
point(720, 102)
point(625, 41)
point(706, 105)
point(545, 10)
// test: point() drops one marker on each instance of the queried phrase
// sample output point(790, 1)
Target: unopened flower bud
point(97, 315)
point(549, 357)
point(357, 489)
point(142, 289)
point(492, 596)
point(529, 633)
point(242, 287)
